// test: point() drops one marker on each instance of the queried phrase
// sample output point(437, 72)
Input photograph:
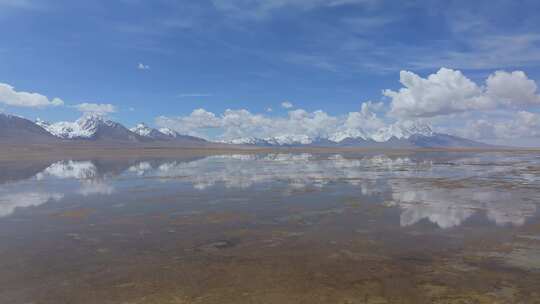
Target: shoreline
point(15, 152)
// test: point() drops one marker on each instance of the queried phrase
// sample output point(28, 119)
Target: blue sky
point(167, 58)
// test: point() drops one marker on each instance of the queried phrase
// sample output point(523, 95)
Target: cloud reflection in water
point(404, 181)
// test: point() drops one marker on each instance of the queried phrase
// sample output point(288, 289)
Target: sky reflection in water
point(445, 190)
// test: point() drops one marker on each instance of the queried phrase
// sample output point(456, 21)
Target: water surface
point(272, 228)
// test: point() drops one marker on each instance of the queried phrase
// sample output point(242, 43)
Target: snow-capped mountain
point(168, 132)
point(90, 127)
point(408, 134)
point(403, 134)
point(65, 129)
point(163, 134)
point(143, 130)
point(284, 140)
point(247, 141)
point(96, 127)
point(349, 133)
point(400, 130)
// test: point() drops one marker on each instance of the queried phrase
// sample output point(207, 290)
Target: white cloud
point(480, 128)
point(298, 124)
point(520, 128)
point(142, 66)
point(10, 97)
point(95, 108)
point(242, 123)
point(302, 126)
point(287, 105)
point(515, 127)
point(360, 124)
point(193, 124)
point(445, 92)
point(449, 91)
point(513, 89)
point(269, 109)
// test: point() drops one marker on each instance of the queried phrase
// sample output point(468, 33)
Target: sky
point(233, 68)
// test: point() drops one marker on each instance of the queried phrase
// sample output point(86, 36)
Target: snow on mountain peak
point(93, 120)
point(399, 130)
point(40, 122)
point(142, 129)
point(403, 130)
point(246, 141)
point(290, 139)
point(84, 127)
point(88, 125)
point(349, 133)
point(168, 132)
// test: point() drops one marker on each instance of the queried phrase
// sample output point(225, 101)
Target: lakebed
point(272, 227)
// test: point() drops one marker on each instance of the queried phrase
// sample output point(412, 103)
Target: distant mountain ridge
point(15, 129)
point(96, 128)
point(407, 134)
point(90, 127)
point(351, 136)
point(143, 130)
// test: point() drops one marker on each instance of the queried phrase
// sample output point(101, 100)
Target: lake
point(394, 227)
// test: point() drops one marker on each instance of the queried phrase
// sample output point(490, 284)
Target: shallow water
point(273, 228)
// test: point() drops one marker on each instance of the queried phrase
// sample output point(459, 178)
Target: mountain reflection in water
point(411, 183)
point(425, 227)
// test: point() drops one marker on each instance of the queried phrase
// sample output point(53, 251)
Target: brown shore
point(80, 151)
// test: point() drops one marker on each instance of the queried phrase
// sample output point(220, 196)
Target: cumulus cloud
point(298, 124)
point(444, 92)
point(449, 91)
point(360, 124)
point(142, 66)
point(193, 124)
point(287, 105)
point(11, 97)
point(94, 108)
point(521, 124)
point(513, 89)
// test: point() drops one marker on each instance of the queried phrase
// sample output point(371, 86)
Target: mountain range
point(88, 129)
point(95, 128)
point(407, 134)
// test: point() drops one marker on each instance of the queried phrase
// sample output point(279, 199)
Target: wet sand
point(419, 227)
